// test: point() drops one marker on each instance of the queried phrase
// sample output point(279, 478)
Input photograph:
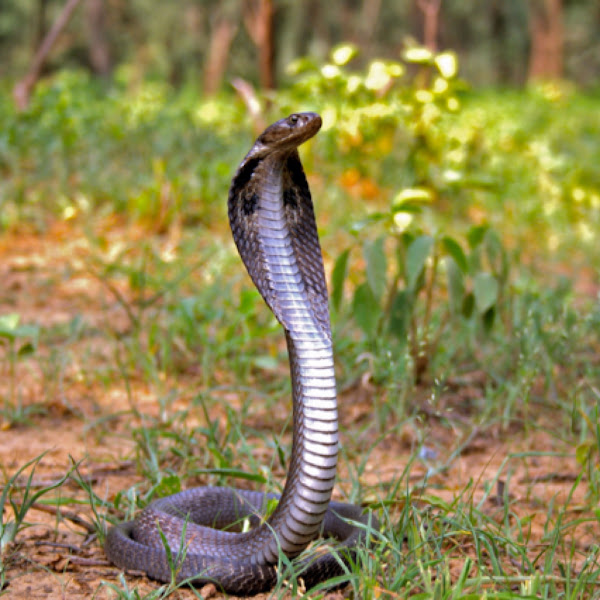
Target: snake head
point(287, 134)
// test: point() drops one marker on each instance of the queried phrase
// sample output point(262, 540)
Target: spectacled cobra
point(273, 224)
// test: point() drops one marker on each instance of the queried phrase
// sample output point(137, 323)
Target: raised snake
point(273, 224)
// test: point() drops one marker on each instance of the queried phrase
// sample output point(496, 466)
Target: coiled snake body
point(273, 224)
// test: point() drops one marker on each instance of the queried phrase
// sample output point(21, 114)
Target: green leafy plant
point(385, 300)
point(19, 341)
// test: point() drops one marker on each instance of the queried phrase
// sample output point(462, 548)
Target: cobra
point(273, 224)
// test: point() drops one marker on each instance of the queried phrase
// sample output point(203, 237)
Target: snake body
point(273, 224)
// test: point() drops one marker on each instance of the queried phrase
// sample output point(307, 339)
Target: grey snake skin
point(273, 225)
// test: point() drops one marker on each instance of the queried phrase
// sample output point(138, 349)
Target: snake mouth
point(289, 133)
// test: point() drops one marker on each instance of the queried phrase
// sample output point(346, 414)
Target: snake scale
point(273, 224)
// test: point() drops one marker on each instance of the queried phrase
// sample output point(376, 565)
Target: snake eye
point(293, 119)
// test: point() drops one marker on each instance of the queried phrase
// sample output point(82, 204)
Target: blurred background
point(500, 42)
point(456, 184)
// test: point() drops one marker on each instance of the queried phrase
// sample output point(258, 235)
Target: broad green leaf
point(456, 284)
point(10, 328)
point(488, 318)
point(400, 314)
point(453, 248)
point(416, 256)
point(27, 331)
point(338, 277)
point(26, 350)
point(8, 323)
point(485, 291)
point(374, 254)
point(475, 234)
point(366, 310)
point(468, 305)
point(496, 254)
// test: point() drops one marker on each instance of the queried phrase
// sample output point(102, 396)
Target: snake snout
point(308, 122)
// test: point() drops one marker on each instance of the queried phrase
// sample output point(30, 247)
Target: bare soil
point(44, 280)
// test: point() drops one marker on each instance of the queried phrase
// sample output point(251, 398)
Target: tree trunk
point(502, 57)
point(223, 32)
point(98, 43)
point(258, 18)
point(431, 14)
point(22, 90)
point(547, 39)
point(369, 16)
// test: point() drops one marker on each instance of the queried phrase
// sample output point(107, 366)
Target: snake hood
point(270, 181)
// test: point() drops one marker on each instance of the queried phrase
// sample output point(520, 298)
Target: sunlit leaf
point(9, 322)
point(440, 86)
point(378, 76)
point(417, 54)
point(330, 71)
point(485, 291)
point(411, 195)
point(10, 328)
point(343, 54)
point(453, 175)
point(374, 253)
point(447, 64)
point(402, 220)
point(424, 96)
point(338, 277)
point(416, 256)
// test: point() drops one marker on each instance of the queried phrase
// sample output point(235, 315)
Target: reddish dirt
point(44, 281)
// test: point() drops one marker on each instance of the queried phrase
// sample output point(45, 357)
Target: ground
point(83, 420)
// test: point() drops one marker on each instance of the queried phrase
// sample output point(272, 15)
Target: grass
point(140, 345)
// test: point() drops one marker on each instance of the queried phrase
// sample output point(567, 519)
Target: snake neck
point(273, 224)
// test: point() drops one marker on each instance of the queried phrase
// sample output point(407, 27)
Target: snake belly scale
point(273, 225)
